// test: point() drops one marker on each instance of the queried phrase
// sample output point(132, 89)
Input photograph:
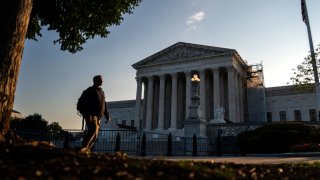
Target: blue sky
point(267, 31)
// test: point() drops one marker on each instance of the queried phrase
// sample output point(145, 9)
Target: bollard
point(66, 140)
point(219, 145)
point(143, 145)
point(117, 148)
point(194, 145)
point(169, 147)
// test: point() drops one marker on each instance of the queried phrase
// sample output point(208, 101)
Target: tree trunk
point(14, 20)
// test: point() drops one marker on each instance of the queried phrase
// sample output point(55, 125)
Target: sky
point(270, 32)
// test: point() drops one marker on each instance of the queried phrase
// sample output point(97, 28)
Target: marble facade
point(165, 81)
point(227, 85)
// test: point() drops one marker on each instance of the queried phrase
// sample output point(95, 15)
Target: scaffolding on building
point(255, 75)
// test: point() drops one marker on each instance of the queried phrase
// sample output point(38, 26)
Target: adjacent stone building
point(163, 94)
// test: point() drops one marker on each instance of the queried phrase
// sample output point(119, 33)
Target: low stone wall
point(233, 129)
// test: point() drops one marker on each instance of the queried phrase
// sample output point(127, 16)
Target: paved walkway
point(250, 159)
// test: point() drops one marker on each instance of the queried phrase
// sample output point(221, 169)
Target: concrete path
point(250, 159)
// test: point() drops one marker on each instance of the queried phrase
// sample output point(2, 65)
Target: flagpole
point(313, 57)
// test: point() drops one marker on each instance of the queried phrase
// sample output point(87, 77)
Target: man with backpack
point(92, 106)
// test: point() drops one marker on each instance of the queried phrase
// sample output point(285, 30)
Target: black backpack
point(82, 102)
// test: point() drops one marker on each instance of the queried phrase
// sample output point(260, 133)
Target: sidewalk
point(250, 159)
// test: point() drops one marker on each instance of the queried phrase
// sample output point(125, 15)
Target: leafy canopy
point(76, 21)
point(303, 75)
point(35, 123)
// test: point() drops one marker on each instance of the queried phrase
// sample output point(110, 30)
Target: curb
point(301, 154)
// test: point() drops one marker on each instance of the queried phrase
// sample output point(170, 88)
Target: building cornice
point(285, 90)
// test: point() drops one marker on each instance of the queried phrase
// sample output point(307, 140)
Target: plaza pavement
point(249, 159)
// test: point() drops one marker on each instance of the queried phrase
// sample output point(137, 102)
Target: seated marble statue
point(218, 116)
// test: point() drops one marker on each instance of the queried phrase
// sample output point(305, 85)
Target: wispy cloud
point(196, 17)
point(192, 28)
point(193, 20)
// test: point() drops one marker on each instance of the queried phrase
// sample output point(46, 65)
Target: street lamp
point(195, 78)
point(195, 124)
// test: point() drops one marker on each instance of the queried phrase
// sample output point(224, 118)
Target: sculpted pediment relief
point(181, 51)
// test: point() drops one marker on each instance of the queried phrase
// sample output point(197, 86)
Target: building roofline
point(227, 50)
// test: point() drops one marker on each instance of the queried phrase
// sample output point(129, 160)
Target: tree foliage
point(76, 21)
point(54, 128)
point(303, 75)
point(35, 124)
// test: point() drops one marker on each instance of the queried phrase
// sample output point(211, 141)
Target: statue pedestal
point(217, 121)
point(218, 117)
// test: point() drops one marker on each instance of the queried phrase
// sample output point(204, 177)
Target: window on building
point(123, 122)
point(313, 114)
point(132, 123)
point(283, 116)
point(297, 115)
point(269, 116)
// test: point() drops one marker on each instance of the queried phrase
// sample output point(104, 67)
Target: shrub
point(305, 147)
point(274, 138)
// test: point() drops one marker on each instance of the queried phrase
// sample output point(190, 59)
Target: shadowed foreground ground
point(34, 161)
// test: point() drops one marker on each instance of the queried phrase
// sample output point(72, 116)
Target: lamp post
point(195, 94)
point(195, 124)
point(195, 108)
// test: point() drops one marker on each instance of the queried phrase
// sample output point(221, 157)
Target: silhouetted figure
point(95, 108)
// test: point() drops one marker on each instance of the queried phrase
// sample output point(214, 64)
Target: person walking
point(95, 109)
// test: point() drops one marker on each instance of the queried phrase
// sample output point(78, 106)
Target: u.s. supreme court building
point(228, 85)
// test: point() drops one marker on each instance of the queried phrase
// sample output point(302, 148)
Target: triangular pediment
point(182, 51)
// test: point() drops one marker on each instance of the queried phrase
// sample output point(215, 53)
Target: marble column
point(144, 104)
point(149, 103)
point(188, 92)
point(174, 99)
point(241, 98)
point(231, 94)
point(203, 93)
point(161, 102)
point(237, 103)
point(138, 102)
point(216, 88)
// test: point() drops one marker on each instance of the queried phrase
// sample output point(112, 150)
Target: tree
point(303, 75)
point(75, 21)
point(35, 126)
point(54, 128)
point(34, 122)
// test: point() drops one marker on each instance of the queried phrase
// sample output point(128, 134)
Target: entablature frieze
point(188, 60)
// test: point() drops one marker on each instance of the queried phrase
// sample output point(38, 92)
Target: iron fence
point(134, 142)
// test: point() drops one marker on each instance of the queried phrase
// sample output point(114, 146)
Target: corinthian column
point(231, 94)
point(237, 99)
point(138, 102)
point(161, 102)
point(149, 103)
point(188, 92)
point(216, 88)
point(174, 98)
point(241, 98)
point(203, 93)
